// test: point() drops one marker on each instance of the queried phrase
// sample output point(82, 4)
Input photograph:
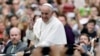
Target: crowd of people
point(50, 27)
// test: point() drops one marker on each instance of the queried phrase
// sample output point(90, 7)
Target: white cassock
point(50, 33)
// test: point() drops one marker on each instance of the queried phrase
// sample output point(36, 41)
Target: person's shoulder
point(57, 21)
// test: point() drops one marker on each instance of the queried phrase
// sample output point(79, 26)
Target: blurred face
point(6, 10)
point(16, 4)
point(84, 39)
point(46, 13)
point(15, 36)
point(90, 26)
point(94, 11)
point(5, 38)
point(43, 1)
point(29, 11)
point(31, 21)
point(14, 21)
point(2, 27)
point(62, 19)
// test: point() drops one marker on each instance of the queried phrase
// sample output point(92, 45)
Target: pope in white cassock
point(48, 30)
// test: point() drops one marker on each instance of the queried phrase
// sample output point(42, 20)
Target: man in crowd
point(17, 45)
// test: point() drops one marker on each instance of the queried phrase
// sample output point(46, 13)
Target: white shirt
point(50, 33)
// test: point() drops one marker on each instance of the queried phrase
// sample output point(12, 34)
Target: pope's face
point(45, 13)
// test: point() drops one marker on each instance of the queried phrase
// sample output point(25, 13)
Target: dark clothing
point(70, 50)
point(69, 34)
point(23, 33)
point(70, 39)
point(7, 47)
point(8, 29)
point(93, 34)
